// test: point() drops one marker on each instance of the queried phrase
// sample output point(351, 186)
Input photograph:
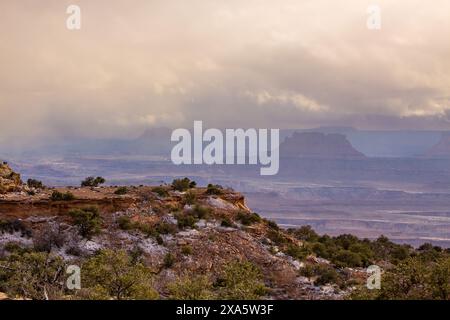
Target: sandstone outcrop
point(9, 180)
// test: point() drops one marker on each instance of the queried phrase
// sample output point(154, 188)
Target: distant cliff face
point(9, 180)
point(319, 145)
point(440, 150)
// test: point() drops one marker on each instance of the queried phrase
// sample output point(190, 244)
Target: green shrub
point(191, 288)
point(272, 224)
point(321, 250)
point(326, 274)
point(185, 220)
point(307, 271)
point(169, 260)
point(32, 183)
point(121, 191)
point(201, 212)
point(214, 189)
point(92, 182)
point(116, 275)
point(183, 184)
point(296, 252)
point(190, 198)
point(165, 228)
point(125, 223)
point(186, 250)
point(277, 237)
point(15, 247)
point(146, 228)
point(248, 218)
point(412, 279)
point(161, 191)
point(59, 196)
point(87, 220)
point(240, 281)
point(305, 233)
point(346, 258)
point(226, 222)
point(155, 231)
point(159, 239)
point(33, 275)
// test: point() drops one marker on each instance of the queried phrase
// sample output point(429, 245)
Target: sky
point(231, 63)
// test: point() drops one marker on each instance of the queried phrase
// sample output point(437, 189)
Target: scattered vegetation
point(33, 275)
point(238, 281)
point(150, 230)
point(35, 272)
point(412, 279)
point(116, 275)
point(349, 251)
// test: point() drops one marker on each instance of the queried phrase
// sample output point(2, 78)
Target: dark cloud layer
point(293, 64)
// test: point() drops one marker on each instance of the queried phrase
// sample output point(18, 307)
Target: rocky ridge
point(224, 230)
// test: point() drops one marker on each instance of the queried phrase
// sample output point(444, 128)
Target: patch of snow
point(202, 223)
point(188, 233)
point(297, 265)
point(304, 280)
point(36, 219)
point(220, 204)
point(150, 247)
point(327, 289)
point(15, 237)
point(169, 219)
point(91, 246)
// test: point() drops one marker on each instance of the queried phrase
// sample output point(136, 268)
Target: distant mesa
point(160, 133)
point(441, 150)
point(319, 145)
point(154, 141)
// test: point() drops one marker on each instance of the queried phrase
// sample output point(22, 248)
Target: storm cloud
point(231, 63)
